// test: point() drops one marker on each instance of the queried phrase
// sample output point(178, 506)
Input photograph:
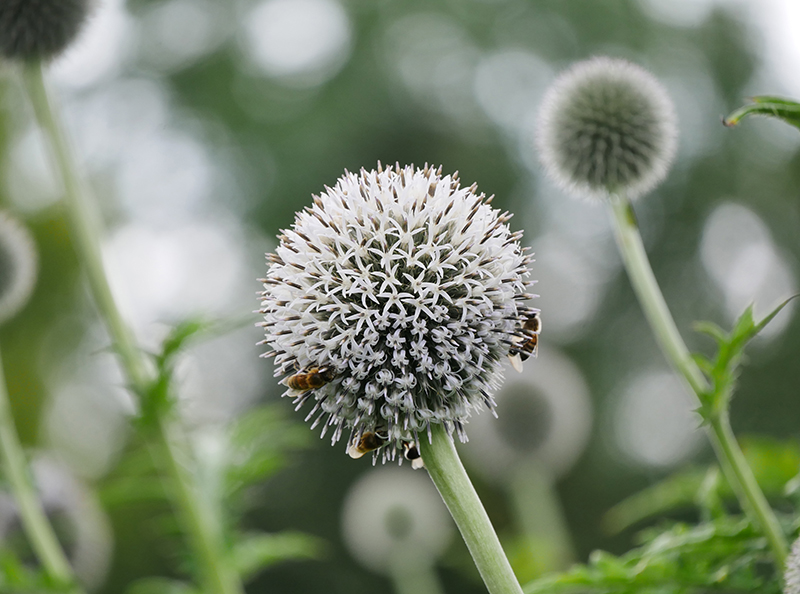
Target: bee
point(369, 441)
point(411, 453)
point(316, 377)
point(527, 345)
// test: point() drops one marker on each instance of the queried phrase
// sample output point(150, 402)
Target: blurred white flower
point(742, 259)
point(81, 525)
point(654, 423)
point(393, 516)
point(19, 265)
point(544, 414)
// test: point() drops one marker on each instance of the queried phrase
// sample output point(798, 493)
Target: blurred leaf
point(159, 395)
point(156, 585)
point(253, 552)
point(777, 107)
point(726, 554)
point(17, 578)
point(775, 463)
point(723, 369)
point(259, 442)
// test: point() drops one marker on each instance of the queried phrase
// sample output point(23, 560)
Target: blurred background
point(203, 126)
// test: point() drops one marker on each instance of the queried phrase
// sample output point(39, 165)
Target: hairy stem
point(198, 519)
point(732, 460)
point(450, 478)
point(205, 541)
point(34, 521)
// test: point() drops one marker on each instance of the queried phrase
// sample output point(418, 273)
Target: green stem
point(198, 518)
point(414, 578)
point(732, 460)
point(206, 542)
point(34, 521)
point(748, 491)
point(450, 478)
point(538, 512)
point(85, 226)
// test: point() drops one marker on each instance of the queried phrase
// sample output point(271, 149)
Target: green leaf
point(784, 109)
point(258, 444)
point(724, 554)
point(159, 395)
point(253, 552)
point(774, 464)
point(156, 585)
point(723, 369)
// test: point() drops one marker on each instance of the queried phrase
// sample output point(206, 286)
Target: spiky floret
point(407, 290)
point(791, 577)
point(606, 126)
point(18, 266)
point(39, 29)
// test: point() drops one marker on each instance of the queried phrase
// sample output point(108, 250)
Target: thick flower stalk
point(607, 131)
point(391, 303)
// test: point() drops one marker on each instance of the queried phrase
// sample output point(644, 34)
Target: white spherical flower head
point(791, 577)
point(18, 267)
point(606, 126)
point(391, 303)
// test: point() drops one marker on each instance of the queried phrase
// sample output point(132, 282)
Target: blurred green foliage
point(282, 143)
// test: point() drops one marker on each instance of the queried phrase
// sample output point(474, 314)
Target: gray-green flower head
point(18, 267)
point(391, 303)
point(606, 126)
point(791, 578)
point(39, 29)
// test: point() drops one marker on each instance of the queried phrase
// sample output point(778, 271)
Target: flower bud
point(39, 29)
point(18, 267)
point(606, 126)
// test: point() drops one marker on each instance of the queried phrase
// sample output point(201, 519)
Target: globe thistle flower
point(39, 29)
point(791, 577)
point(393, 516)
point(18, 267)
point(606, 126)
point(391, 303)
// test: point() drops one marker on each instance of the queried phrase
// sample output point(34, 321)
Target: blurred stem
point(450, 478)
point(34, 521)
point(732, 460)
point(206, 542)
point(198, 518)
point(414, 578)
point(85, 226)
point(538, 512)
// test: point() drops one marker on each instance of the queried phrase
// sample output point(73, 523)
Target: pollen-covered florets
point(606, 126)
point(391, 303)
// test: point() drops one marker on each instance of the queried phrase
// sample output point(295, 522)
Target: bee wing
point(354, 452)
point(516, 362)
